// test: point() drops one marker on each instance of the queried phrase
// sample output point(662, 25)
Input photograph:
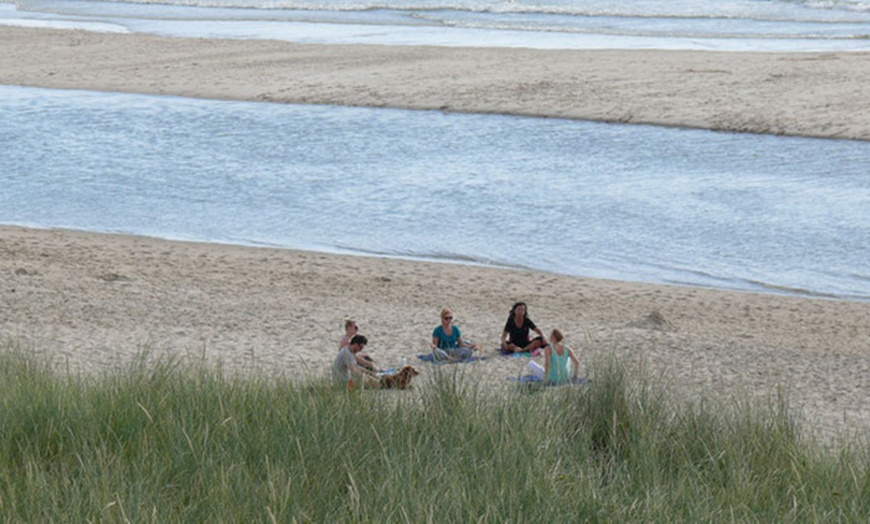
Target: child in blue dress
point(556, 369)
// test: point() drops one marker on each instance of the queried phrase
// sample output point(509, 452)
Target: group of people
point(561, 364)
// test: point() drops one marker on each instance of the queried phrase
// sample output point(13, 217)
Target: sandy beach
point(809, 94)
point(90, 302)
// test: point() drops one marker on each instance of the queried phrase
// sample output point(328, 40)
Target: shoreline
point(800, 94)
point(92, 302)
point(760, 289)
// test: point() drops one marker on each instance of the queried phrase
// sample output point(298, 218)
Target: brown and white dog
point(400, 379)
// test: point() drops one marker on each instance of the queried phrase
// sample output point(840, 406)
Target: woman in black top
point(515, 336)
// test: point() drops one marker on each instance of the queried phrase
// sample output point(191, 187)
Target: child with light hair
point(561, 365)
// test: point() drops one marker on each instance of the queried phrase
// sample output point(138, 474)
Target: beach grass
point(165, 441)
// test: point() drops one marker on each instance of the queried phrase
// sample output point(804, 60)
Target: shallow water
point(637, 203)
point(734, 25)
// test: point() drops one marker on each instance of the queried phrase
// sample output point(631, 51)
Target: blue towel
point(515, 355)
point(532, 379)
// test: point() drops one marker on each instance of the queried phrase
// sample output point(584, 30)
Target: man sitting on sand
point(351, 328)
point(345, 369)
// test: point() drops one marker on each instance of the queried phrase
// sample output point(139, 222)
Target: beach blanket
point(516, 355)
point(429, 357)
point(532, 379)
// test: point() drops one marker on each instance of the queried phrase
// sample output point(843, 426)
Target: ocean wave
point(768, 287)
point(859, 6)
point(430, 256)
point(659, 28)
point(753, 285)
point(819, 11)
point(677, 272)
point(470, 15)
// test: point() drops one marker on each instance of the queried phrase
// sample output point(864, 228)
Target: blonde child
point(351, 328)
point(556, 356)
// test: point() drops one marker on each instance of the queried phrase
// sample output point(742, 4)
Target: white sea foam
point(739, 25)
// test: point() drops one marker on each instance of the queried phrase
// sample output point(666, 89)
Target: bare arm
point(353, 367)
point(574, 360)
point(464, 343)
point(357, 370)
point(547, 352)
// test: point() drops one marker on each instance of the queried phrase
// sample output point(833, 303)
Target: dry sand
point(90, 302)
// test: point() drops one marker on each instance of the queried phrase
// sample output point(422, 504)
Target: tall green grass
point(167, 442)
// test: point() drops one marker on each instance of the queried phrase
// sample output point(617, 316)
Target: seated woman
point(515, 336)
point(556, 357)
point(447, 342)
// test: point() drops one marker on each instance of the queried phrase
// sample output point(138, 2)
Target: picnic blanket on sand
point(429, 357)
point(524, 354)
point(532, 379)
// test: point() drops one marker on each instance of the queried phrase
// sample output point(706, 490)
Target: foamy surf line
point(539, 26)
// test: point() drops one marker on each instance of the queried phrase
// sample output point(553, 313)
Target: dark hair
point(514, 310)
point(360, 340)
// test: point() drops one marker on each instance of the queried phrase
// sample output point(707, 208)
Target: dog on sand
point(400, 379)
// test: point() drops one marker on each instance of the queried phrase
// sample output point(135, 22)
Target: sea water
point(641, 203)
point(727, 25)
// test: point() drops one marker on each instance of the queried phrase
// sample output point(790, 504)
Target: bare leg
point(534, 344)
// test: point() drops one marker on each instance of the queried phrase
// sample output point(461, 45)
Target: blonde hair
point(445, 312)
point(557, 334)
